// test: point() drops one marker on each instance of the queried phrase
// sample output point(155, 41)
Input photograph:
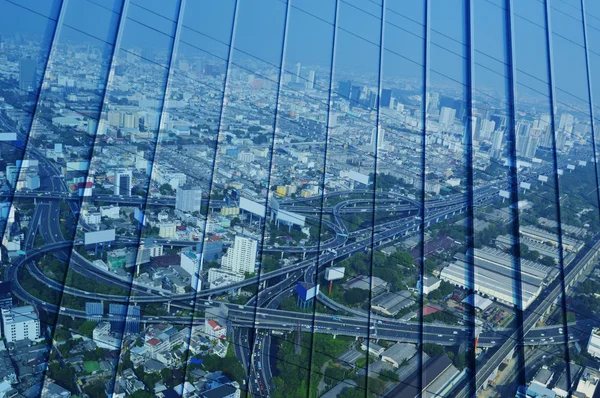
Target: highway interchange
point(261, 313)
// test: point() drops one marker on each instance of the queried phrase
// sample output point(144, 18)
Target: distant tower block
point(306, 294)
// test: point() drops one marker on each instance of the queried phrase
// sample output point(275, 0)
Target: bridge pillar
point(168, 306)
point(282, 255)
point(239, 291)
point(303, 255)
point(287, 275)
point(356, 338)
point(334, 336)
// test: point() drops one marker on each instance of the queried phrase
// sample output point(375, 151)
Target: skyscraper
point(298, 71)
point(386, 98)
point(447, 116)
point(311, 80)
point(355, 93)
point(123, 182)
point(377, 138)
point(344, 89)
point(27, 73)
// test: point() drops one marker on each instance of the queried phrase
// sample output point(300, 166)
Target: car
point(543, 335)
point(493, 342)
point(455, 332)
point(440, 335)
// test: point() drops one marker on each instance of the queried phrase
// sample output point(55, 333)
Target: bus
point(342, 235)
point(258, 364)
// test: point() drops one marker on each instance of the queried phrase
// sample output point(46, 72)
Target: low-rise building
point(398, 353)
point(430, 283)
point(221, 277)
point(543, 377)
point(562, 387)
point(392, 303)
point(222, 391)
point(20, 323)
point(53, 390)
point(588, 382)
point(214, 330)
point(593, 347)
point(102, 337)
point(373, 283)
point(374, 349)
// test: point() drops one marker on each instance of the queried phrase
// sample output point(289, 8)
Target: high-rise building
point(497, 137)
point(27, 74)
point(447, 117)
point(298, 71)
point(566, 121)
point(386, 98)
point(355, 93)
point(188, 199)
point(191, 262)
point(311, 80)
point(123, 182)
point(344, 89)
point(372, 100)
point(377, 138)
point(241, 256)
point(20, 323)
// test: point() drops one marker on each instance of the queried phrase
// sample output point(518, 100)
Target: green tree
point(269, 263)
point(389, 375)
point(165, 189)
point(402, 258)
point(352, 393)
point(433, 349)
point(86, 328)
point(96, 390)
point(355, 296)
point(141, 394)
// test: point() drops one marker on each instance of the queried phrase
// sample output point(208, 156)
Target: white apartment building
point(593, 347)
point(191, 262)
point(241, 256)
point(166, 230)
point(20, 323)
point(188, 199)
point(92, 218)
point(222, 277)
point(214, 330)
point(102, 337)
point(111, 212)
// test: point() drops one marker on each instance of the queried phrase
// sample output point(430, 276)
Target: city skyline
point(320, 198)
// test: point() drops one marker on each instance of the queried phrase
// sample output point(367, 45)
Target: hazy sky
point(260, 28)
